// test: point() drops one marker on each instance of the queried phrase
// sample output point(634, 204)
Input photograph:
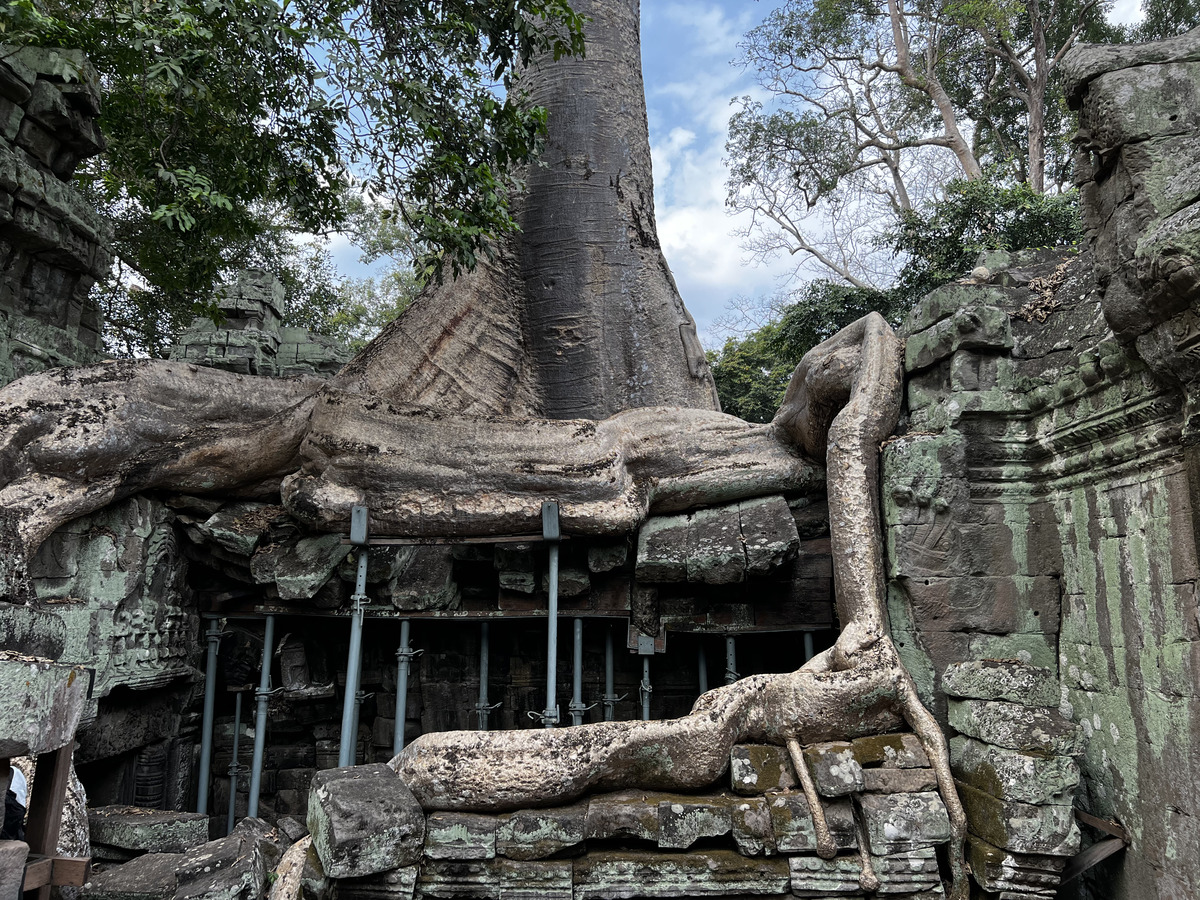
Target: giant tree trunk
point(579, 316)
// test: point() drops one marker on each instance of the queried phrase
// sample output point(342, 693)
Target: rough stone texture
point(1021, 827)
point(12, 868)
point(1011, 775)
point(760, 768)
point(537, 834)
point(149, 877)
point(1002, 679)
point(791, 821)
point(604, 876)
point(681, 823)
point(895, 751)
point(43, 704)
point(898, 822)
point(364, 820)
point(460, 836)
point(834, 769)
point(132, 828)
point(234, 867)
point(1015, 726)
point(51, 240)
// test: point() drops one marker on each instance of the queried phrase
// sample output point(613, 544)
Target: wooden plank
point(70, 871)
point(37, 872)
point(1105, 825)
point(46, 800)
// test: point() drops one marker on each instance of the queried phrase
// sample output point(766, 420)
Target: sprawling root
point(844, 400)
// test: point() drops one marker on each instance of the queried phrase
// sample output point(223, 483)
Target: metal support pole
point(551, 533)
point(702, 666)
point(358, 536)
point(206, 724)
point(610, 696)
point(808, 646)
point(403, 660)
point(260, 719)
point(731, 673)
point(482, 709)
point(234, 769)
point(646, 689)
point(576, 706)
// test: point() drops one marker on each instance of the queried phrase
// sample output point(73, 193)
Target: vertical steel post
point(610, 694)
point(702, 667)
point(731, 674)
point(358, 537)
point(646, 688)
point(481, 708)
point(808, 646)
point(576, 707)
point(551, 533)
point(234, 769)
point(206, 724)
point(403, 661)
point(260, 720)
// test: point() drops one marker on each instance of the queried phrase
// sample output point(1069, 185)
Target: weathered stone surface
point(886, 780)
point(758, 768)
point(1021, 827)
point(792, 823)
point(364, 820)
point(903, 751)
point(539, 833)
point(132, 828)
point(1001, 870)
point(769, 534)
point(468, 879)
point(662, 549)
point(234, 867)
point(607, 556)
point(148, 877)
point(1015, 726)
point(753, 831)
point(396, 884)
point(450, 835)
point(1002, 679)
point(540, 880)
point(44, 702)
point(625, 814)
point(834, 769)
point(308, 564)
point(895, 823)
point(714, 551)
point(12, 868)
point(707, 873)
point(812, 876)
point(1011, 775)
point(682, 820)
point(30, 631)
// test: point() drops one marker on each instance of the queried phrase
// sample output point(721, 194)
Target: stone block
point(1020, 827)
point(397, 884)
point(540, 880)
point(769, 535)
point(898, 781)
point(12, 868)
point(540, 833)
point(32, 632)
point(895, 823)
point(1016, 727)
point(44, 702)
point(132, 828)
point(307, 565)
point(1000, 870)
point(708, 873)
point(295, 779)
point(230, 868)
point(459, 879)
point(684, 820)
point(238, 527)
point(1011, 775)
point(607, 557)
point(454, 835)
point(714, 552)
point(149, 877)
point(812, 876)
point(364, 820)
point(792, 823)
point(834, 769)
point(662, 550)
point(758, 768)
point(1002, 679)
point(900, 751)
point(750, 822)
point(625, 814)
point(910, 873)
point(972, 328)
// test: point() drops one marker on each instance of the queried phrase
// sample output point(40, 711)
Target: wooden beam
point(38, 871)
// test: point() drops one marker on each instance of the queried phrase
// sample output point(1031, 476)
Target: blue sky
point(687, 49)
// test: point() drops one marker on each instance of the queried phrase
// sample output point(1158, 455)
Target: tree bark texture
point(579, 315)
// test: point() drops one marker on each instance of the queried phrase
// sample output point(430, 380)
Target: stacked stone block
point(1014, 762)
point(250, 338)
point(51, 241)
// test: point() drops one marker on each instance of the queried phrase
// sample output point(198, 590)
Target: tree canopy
point(232, 124)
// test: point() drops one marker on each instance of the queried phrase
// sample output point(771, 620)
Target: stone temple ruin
point(954, 651)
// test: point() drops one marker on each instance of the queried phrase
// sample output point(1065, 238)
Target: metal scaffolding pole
point(551, 534)
point(206, 724)
point(808, 646)
point(404, 658)
point(702, 666)
point(358, 537)
point(576, 707)
point(482, 709)
point(234, 769)
point(646, 689)
point(610, 696)
point(260, 719)
point(731, 673)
